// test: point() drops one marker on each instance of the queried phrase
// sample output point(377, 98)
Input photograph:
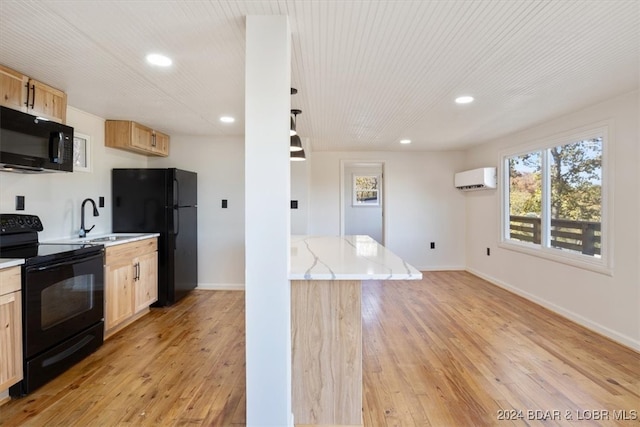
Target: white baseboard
point(581, 320)
point(4, 396)
point(442, 268)
point(221, 286)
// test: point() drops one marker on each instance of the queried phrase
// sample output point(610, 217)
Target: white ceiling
point(369, 73)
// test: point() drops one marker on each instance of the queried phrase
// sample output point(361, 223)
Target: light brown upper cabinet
point(23, 93)
point(132, 136)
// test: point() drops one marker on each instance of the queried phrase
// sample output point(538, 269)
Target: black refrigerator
point(161, 201)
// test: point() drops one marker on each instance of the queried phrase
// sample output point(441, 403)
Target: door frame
point(344, 198)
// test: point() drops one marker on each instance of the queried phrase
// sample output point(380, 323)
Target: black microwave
point(31, 144)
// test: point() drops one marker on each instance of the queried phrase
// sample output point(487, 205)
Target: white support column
point(267, 221)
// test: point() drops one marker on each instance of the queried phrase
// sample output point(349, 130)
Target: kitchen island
point(326, 276)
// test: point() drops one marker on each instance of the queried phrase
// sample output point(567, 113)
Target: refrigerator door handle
point(176, 192)
point(176, 221)
point(176, 205)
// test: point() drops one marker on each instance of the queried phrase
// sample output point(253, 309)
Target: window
point(554, 200)
point(366, 190)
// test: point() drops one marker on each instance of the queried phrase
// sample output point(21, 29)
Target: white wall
point(608, 304)
point(56, 197)
point(300, 192)
point(219, 163)
point(421, 204)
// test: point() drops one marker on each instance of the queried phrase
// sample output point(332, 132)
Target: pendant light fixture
point(292, 128)
point(297, 156)
point(293, 131)
point(295, 144)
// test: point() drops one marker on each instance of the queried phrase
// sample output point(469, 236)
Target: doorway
point(362, 199)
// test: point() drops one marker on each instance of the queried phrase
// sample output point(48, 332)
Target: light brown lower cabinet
point(11, 327)
point(131, 283)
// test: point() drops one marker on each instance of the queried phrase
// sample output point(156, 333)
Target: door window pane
point(366, 190)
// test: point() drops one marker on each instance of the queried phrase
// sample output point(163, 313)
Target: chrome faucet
point(84, 231)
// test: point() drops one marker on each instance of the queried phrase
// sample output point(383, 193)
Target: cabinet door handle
point(33, 88)
point(136, 271)
point(153, 141)
point(33, 96)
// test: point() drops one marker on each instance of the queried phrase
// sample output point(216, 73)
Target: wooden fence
point(579, 236)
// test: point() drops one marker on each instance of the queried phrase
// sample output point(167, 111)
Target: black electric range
point(62, 300)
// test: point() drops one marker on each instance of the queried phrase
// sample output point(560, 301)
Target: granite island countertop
point(357, 257)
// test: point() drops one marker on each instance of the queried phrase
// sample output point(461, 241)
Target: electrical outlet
point(19, 203)
point(488, 251)
point(101, 202)
point(433, 245)
point(294, 204)
point(224, 204)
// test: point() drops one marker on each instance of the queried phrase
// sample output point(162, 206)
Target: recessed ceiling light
point(405, 141)
point(227, 119)
point(159, 60)
point(464, 99)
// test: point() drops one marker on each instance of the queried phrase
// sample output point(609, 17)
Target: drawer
point(128, 251)
point(10, 280)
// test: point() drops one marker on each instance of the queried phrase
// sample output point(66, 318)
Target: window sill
point(557, 255)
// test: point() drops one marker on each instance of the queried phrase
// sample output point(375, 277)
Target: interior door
point(363, 207)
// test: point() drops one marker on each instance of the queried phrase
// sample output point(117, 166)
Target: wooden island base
point(326, 323)
point(326, 338)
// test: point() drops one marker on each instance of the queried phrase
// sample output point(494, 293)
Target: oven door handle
point(66, 262)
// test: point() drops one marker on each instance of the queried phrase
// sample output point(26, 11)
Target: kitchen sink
point(109, 239)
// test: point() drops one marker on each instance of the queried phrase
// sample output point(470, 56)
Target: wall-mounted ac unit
point(476, 179)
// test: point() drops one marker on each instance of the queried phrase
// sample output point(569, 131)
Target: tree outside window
point(366, 191)
point(555, 197)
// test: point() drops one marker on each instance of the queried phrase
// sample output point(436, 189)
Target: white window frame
point(82, 161)
point(603, 264)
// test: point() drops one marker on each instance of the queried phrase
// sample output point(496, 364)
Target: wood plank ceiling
point(369, 73)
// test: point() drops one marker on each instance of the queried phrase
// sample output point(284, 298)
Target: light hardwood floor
point(449, 350)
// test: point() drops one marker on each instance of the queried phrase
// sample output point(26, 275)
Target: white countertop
point(122, 238)
point(346, 258)
point(10, 262)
